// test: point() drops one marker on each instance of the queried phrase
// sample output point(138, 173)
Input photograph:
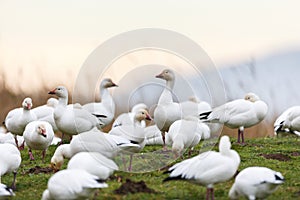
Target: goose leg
point(164, 140)
point(22, 145)
point(207, 193)
point(212, 194)
point(13, 185)
point(62, 139)
point(130, 162)
point(44, 154)
point(30, 154)
point(239, 136)
point(16, 141)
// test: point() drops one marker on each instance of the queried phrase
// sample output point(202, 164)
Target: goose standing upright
point(17, 119)
point(38, 135)
point(167, 111)
point(134, 132)
point(240, 113)
point(72, 184)
point(106, 106)
point(208, 168)
point(10, 160)
point(72, 120)
point(255, 182)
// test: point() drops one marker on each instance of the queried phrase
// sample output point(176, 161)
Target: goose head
point(27, 103)
point(107, 83)
point(41, 129)
point(60, 91)
point(251, 97)
point(142, 114)
point(56, 162)
point(167, 75)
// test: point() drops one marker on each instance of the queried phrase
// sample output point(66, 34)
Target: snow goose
point(91, 141)
point(72, 120)
point(45, 112)
point(72, 184)
point(106, 106)
point(128, 118)
point(288, 121)
point(255, 182)
point(186, 133)
point(208, 168)
point(38, 135)
point(17, 119)
point(94, 163)
point(10, 160)
point(135, 133)
point(240, 113)
point(5, 191)
point(167, 111)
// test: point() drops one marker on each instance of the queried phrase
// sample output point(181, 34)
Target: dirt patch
point(133, 187)
point(38, 170)
point(295, 154)
point(276, 156)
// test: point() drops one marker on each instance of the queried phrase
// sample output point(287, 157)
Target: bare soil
point(133, 187)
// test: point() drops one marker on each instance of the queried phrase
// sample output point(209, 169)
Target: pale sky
point(56, 36)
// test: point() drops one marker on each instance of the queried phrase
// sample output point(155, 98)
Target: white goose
point(289, 121)
point(167, 111)
point(128, 118)
point(17, 119)
point(72, 120)
point(134, 133)
point(106, 106)
point(186, 133)
point(38, 135)
point(208, 168)
point(72, 184)
point(255, 183)
point(10, 160)
point(194, 106)
point(94, 163)
point(240, 113)
point(91, 141)
point(5, 191)
point(46, 112)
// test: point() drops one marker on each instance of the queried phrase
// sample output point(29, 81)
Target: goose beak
point(148, 118)
point(114, 85)
point(159, 76)
point(52, 91)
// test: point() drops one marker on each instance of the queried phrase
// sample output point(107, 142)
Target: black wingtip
point(278, 178)
point(174, 178)
point(100, 181)
point(99, 115)
point(204, 115)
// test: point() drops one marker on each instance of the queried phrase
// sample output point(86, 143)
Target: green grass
point(31, 186)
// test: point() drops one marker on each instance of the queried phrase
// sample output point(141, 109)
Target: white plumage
point(92, 141)
point(10, 160)
point(106, 106)
point(208, 168)
point(46, 112)
point(72, 120)
point(38, 135)
point(255, 182)
point(17, 119)
point(186, 133)
point(289, 121)
point(94, 163)
point(128, 118)
point(5, 191)
point(240, 113)
point(167, 111)
point(72, 184)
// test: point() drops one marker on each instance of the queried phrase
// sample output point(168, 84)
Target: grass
point(31, 186)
